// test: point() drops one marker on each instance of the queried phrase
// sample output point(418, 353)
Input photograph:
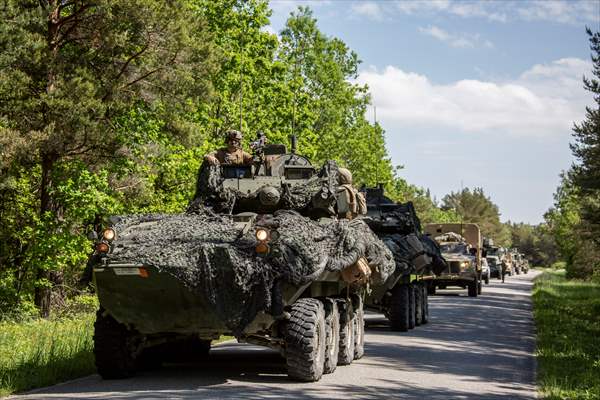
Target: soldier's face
point(233, 144)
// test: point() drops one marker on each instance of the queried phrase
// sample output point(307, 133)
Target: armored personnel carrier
point(260, 255)
point(403, 296)
point(461, 246)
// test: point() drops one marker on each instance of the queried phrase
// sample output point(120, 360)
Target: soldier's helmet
point(232, 134)
point(344, 176)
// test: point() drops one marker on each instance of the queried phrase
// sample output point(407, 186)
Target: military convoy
point(272, 254)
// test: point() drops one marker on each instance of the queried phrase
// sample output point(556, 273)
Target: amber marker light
point(102, 248)
point(143, 272)
point(262, 248)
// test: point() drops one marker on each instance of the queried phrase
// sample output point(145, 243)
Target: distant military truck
point(502, 257)
point(462, 248)
point(516, 261)
point(403, 296)
point(524, 264)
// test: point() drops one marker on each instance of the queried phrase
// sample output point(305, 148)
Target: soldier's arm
point(211, 158)
point(247, 158)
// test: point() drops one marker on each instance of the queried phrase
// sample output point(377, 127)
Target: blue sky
point(478, 93)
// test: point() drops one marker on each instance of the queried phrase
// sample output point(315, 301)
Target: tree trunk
point(43, 293)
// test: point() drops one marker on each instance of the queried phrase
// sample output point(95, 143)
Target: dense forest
point(108, 108)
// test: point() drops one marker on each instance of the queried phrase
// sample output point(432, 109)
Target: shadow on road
point(471, 340)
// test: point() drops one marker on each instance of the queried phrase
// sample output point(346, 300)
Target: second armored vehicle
point(403, 297)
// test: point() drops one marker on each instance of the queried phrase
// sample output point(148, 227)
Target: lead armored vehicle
point(260, 255)
point(403, 296)
point(461, 246)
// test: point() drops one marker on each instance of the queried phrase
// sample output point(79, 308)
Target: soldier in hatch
point(351, 202)
point(233, 154)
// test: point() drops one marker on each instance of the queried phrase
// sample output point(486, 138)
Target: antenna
point(242, 80)
point(295, 88)
point(375, 127)
point(462, 189)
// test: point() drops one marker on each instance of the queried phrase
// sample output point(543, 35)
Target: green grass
point(41, 353)
point(567, 316)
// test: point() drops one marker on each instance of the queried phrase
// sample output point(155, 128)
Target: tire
point(346, 346)
point(472, 288)
point(418, 304)
point(359, 332)
point(431, 289)
point(412, 306)
point(332, 325)
point(114, 359)
point(305, 340)
point(399, 309)
point(425, 298)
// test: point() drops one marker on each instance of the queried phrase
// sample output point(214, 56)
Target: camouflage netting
point(217, 260)
point(400, 229)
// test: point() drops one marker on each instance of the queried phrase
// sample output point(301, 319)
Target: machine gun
point(258, 147)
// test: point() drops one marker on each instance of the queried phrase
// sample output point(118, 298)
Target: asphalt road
point(478, 348)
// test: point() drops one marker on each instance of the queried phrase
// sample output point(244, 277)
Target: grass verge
point(567, 316)
point(41, 353)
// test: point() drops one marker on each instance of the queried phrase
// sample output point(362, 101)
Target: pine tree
point(586, 148)
point(587, 134)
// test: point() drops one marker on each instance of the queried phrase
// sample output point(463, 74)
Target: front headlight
point(262, 234)
point(108, 234)
point(464, 264)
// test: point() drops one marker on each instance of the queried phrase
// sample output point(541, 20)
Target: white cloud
point(561, 11)
point(368, 9)
point(544, 100)
point(569, 12)
point(455, 40)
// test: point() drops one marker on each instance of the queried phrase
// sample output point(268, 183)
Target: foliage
point(426, 208)
point(535, 241)
point(474, 206)
point(68, 72)
point(567, 317)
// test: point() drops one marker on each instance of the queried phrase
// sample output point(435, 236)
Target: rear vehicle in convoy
point(524, 264)
point(517, 261)
point(461, 247)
